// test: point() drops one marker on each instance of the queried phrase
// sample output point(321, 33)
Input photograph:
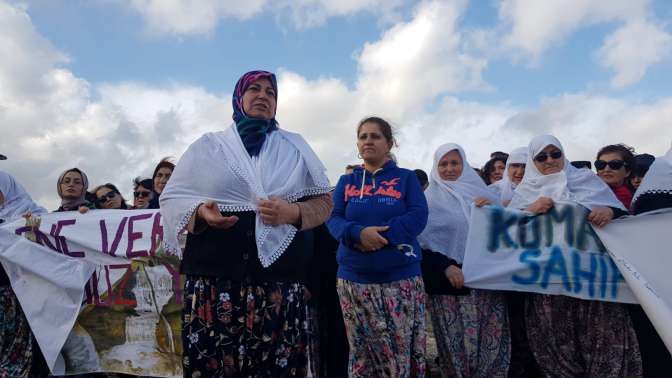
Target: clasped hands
point(273, 212)
point(598, 216)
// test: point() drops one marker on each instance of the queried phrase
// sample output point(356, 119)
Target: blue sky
point(143, 78)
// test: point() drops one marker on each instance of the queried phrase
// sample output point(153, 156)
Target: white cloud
point(531, 27)
point(187, 17)
point(632, 49)
point(51, 120)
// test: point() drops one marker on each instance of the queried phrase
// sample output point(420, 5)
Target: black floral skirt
point(231, 329)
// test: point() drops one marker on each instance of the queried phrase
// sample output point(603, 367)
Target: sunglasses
point(613, 164)
point(105, 197)
point(542, 157)
point(141, 194)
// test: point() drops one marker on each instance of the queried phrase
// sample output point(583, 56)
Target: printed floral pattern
point(15, 338)
point(235, 330)
point(385, 324)
point(472, 333)
point(573, 337)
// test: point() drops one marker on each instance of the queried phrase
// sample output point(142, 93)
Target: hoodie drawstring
point(373, 179)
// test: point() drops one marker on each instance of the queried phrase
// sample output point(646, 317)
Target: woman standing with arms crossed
point(379, 210)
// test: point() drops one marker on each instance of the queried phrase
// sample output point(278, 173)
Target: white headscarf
point(17, 200)
point(581, 186)
point(449, 205)
point(659, 177)
point(218, 167)
point(504, 187)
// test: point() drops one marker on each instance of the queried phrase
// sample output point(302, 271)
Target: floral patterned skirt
point(385, 324)
point(472, 333)
point(231, 329)
point(16, 343)
point(572, 337)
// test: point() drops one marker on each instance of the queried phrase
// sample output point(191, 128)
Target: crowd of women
point(287, 276)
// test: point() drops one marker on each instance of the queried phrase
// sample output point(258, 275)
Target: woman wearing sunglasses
point(614, 165)
point(108, 197)
point(572, 337)
point(143, 194)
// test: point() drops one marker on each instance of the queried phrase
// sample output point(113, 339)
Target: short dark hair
point(422, 177)
point(385, 128)
point(489, 167)
point(582, 164)
point(164, 163)
point(145, 183)
point(627, 154)
point(113, 188)
point(642, 164)
point(499, 154)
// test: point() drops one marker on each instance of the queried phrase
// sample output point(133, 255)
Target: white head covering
point(581, 186)
point(659, 177)
point(17, 200)
point(218, 167)
point(449, 205)
point(505, 187)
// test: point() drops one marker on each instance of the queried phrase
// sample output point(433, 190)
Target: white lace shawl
point(449, 204)
point(659, 177)
point(217, 167)
point(580, 186)
point(17, 200)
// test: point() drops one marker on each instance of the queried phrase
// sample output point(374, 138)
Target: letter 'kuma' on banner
point(97, 290)
point(557, 253)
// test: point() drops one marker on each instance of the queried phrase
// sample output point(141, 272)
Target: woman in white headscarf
point(573, 337)
point(470, 325)
point(16, 341)
point(513, 175)
point(654, 193)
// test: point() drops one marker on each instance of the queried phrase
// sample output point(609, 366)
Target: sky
point(113, 86)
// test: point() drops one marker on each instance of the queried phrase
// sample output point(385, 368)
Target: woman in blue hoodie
point(379, 210)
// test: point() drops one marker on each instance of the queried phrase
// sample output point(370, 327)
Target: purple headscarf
point(252, 130)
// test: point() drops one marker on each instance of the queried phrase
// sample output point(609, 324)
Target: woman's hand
point(600, 216)
point(83, 209)
point(276, 211)
point(482, 201)
point(370, 238)
point(455, 276)
point(541, 206)
point(209, 212)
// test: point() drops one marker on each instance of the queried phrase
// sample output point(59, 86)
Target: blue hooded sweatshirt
point(390, 196)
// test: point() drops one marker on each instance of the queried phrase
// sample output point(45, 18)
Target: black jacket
point(433, 266)
point(232, 254)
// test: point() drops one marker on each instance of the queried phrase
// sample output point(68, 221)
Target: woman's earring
point(359, 155)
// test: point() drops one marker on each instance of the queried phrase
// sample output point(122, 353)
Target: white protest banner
point(118, 295)
point(556, 253)
point(642, 248)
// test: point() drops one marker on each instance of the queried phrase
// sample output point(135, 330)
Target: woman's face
point(451, 166)
point(107, 198)
point(72, 185)
point(371, 143)
point(141, 197)
point(497, 171)
point(612, 177)
point(550, 160)
point(161, 178)
point(516, 172)
point(259, 100)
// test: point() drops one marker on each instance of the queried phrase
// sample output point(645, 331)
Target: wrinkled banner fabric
point(98, 291)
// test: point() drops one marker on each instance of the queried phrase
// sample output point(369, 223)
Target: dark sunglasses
point(105, 197)
point(141, 194)
point(613, 164)
point(542, 157)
